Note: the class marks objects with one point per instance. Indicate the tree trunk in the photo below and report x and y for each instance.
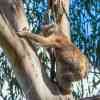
(26, 65)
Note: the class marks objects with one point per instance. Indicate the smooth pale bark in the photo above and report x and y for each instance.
(64, 24)
(26, 65)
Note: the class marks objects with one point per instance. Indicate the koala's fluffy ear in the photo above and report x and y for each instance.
(49, 29)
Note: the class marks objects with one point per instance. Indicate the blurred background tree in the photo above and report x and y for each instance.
(85, 33)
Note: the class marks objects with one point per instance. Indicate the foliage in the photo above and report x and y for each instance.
(84, 21)
(9, 87)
